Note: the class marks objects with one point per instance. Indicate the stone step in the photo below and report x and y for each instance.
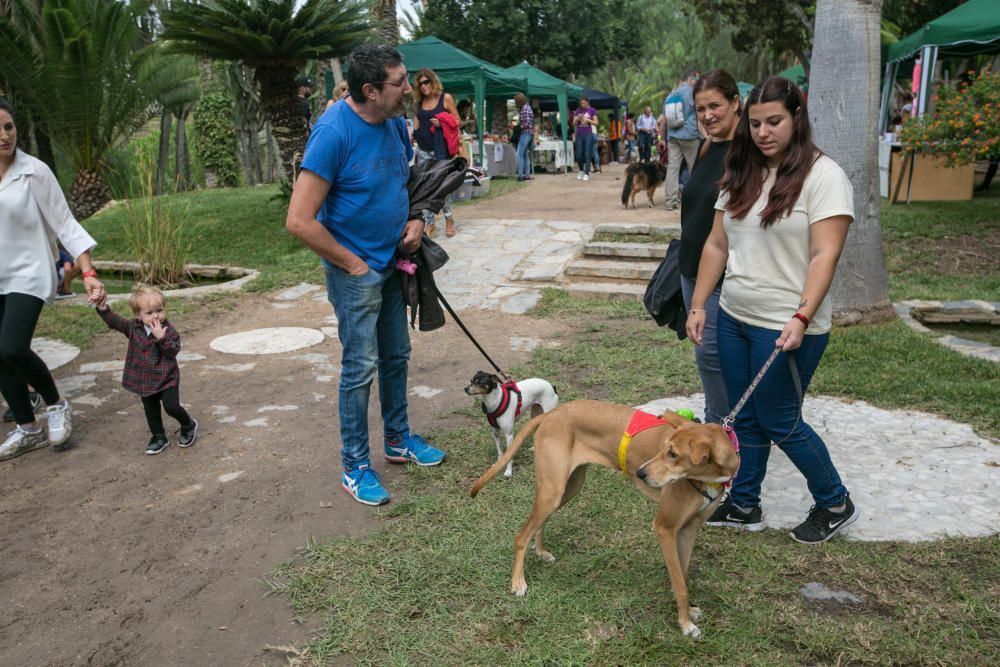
(610, 291)
(672, 229)
(625, 250)
(610, 269)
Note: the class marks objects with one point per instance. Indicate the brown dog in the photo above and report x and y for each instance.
(642, 176)
(680, 464)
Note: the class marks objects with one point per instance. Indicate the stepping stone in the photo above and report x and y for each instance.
(230, 476)
(518, 344)
(230, 368)
(521, 303)
(297, 292)
(278, 408)
(189, 356)
(272, 340)
(55, 353)
(423, 391)
(261, 421)
(103, 366)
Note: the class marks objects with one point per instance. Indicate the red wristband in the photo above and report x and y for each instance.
(802, 318)
(89, 274)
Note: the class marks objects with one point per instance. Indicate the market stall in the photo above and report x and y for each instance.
(500, 157)
(543, 86)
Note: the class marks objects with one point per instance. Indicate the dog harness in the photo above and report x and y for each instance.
(640, 422)
(506, 389)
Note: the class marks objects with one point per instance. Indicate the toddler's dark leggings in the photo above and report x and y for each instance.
(171, 400)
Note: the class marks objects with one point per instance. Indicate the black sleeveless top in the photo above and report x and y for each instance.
(425, 140)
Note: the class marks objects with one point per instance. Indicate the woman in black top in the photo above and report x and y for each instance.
(717, 103)
(430, 100)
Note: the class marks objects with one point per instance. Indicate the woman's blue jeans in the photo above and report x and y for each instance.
(524, 145)
(772, 412)
(371, 325)
(706, 355)
(584, 149)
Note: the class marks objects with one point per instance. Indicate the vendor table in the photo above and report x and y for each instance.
(907, 176)
(506, 165)
(550, 156)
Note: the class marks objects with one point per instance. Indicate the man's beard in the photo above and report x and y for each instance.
(397, 111)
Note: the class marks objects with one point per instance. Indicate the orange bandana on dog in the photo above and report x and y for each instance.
(640, 422)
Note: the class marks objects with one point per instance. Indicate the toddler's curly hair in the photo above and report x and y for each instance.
(141, 293)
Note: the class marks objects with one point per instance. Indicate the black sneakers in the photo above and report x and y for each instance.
(157, 444)
(729, 515)
(36, 402)
(822, 524)
(188, 434)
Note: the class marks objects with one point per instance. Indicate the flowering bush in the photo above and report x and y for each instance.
(965, 125)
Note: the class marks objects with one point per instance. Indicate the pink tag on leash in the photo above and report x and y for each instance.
(736, 447)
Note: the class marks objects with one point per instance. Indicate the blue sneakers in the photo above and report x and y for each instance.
(413, 449)
(364, 485)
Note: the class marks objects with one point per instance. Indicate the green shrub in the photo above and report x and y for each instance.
(216, 136)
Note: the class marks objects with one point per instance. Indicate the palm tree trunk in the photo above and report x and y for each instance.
(386, 26)
(182, 162)
(280, 105)
(166, 122)
(844, 103)
(88, 194)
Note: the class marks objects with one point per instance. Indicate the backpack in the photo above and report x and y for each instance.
(673, 110)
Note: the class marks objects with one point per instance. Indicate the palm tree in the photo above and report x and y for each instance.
(843, 98)
(386, 25)
(84, 70)
(276, 40)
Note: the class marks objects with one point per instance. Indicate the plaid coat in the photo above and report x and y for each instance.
(150, 364)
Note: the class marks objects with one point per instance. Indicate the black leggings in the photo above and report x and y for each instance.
(19, 366)
(171, 399)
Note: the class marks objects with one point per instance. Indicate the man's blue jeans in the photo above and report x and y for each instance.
(771, 413)
(524, 144)
(706, 355)
(645, 146)
(371, 325)
(584, 149)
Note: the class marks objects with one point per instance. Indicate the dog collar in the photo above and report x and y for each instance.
(506, 389)
(640, 422)
(715, 488)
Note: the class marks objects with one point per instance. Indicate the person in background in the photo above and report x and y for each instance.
(584, 122)
(646, 126)
(429, 100)
(630, 137)
(339, 92)
(304, 93)
(66, 270)
(466, 119)
(528, 137)
(717, 102)
(350, 206)
(33, 210)
(781, 219)
(682, 141)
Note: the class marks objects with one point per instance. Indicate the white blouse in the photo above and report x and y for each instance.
(33, 213)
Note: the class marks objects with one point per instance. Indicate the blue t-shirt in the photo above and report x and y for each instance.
(367, 166)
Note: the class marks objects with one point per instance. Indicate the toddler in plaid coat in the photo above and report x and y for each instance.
(151, 364)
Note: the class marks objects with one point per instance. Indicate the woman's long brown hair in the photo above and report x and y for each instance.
(436, 88)
(746, 165)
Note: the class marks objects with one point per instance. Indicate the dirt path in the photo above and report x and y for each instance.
(111, 557)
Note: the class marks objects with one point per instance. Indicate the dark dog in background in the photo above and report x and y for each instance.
(642, 176)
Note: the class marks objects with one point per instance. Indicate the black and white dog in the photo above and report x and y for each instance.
(504, 401)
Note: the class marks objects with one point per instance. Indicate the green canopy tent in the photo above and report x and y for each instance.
(462, 74)
(797, 75)
(968, 30)
(744, 87)
(543, 85)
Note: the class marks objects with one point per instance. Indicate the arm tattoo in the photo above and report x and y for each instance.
(802, 304)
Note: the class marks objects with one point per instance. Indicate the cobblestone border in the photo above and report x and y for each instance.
(240, 277)
(955, 311)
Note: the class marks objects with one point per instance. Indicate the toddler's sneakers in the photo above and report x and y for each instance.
(157, 444)
(60, 418)
(413, 449)
(188, 434)
(364, 485)
(21, 441)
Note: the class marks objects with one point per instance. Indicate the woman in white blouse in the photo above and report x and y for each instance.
(782, 216)
(33, 214)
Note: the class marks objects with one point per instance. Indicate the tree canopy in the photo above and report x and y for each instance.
(562, 37)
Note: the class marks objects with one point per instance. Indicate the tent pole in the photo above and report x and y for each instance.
(888, 83)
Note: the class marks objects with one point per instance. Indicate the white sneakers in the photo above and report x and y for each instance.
(60, 418)
(586, 177)
(20, 441)
(579, 175)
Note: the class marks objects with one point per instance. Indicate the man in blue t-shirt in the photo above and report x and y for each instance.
(350, 206)
(682, 142)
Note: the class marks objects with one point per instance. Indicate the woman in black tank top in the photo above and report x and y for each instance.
(429, 100)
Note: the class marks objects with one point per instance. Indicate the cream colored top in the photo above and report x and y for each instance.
(33, 213)
(766, 269)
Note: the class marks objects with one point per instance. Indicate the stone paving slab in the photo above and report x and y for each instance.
(914, 476)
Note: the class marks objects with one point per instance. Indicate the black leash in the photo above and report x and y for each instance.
(727, 422)
(465, 330)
